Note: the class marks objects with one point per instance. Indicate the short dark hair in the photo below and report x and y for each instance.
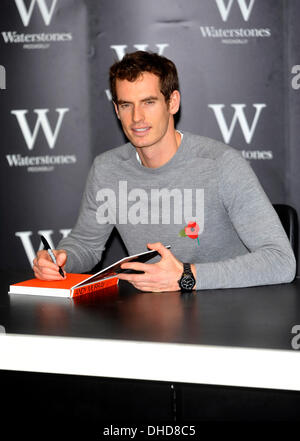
(134, 64)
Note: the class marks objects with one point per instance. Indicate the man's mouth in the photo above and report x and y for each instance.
(140, 130)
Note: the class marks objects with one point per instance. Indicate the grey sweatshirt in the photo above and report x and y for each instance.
(206, 202)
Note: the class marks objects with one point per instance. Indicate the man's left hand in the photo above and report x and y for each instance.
(157, 277)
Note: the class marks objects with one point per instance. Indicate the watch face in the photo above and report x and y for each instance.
(187, 282)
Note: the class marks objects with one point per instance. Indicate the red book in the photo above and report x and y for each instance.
(79, 284)
(74, 285)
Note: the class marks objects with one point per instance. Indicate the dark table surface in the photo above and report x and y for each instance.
(258, 317)
(228, 348)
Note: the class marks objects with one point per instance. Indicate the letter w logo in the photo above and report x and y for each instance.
(27, 13)
(239, 115)
(25, 237)
(42, 121)
(120, 49)
(245, 10)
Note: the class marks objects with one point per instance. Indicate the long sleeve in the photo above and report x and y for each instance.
(270, 259)
(86, 242)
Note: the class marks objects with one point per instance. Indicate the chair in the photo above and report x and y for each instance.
(289, 219)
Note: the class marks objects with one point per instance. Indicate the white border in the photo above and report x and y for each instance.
(228, 366)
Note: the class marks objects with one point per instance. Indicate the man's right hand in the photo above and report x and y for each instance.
(45, 269)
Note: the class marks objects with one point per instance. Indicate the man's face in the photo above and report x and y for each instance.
(141, 107)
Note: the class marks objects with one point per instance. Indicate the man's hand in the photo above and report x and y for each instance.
(157, 277)
(45, 269)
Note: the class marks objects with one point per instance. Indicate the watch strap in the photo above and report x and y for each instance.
(187, 269)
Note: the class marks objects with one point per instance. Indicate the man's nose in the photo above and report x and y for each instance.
(137, 114)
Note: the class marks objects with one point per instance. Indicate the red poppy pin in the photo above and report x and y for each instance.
(191, 230)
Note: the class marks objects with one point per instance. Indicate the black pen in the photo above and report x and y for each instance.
(51, 254)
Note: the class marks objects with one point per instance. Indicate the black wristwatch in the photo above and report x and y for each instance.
(187, 280)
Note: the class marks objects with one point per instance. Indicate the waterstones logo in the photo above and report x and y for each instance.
(156, 207)
(35, 40)
(41, 122)
(239, 117)
(29, 40)
(244, 8)
(240, 121)
(26, 14)
(236, 35)
(39, 163)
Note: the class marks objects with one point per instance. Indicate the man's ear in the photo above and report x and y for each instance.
(116, 109)
(174, 102)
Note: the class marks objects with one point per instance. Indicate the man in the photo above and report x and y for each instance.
(170, 188)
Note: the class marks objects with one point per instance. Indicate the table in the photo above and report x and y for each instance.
(234, 340)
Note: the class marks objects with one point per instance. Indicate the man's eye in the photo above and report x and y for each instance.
(124, 106)
(150, 102)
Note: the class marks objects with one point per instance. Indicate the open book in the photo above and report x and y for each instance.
(80, 284)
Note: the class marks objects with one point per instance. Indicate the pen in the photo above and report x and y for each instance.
(48, 248)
